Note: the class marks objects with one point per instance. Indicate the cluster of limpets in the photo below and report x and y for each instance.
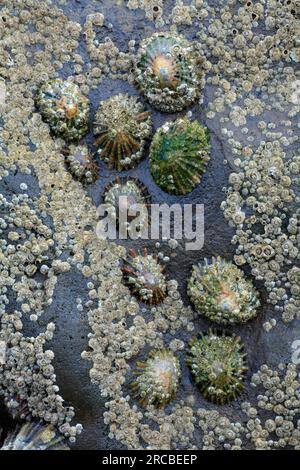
(220, 292)
(67, 111)
(168, 72)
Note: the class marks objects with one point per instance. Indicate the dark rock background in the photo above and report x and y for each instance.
(72, 327)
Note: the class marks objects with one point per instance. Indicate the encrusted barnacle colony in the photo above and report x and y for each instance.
(179, 154)
(64, 108)
(81, 163)
(35, 436)
(158, 378)
(144, 276)
(168, 72)
(218, 364)
(122, 127)
(128, 197)
(221, 292)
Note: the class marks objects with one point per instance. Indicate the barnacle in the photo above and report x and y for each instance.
(218, 364)
(144, 275)
(80, 163)
(35, 436)
(168, 72)
(220, 291)
(157, 378)
(122, 127)
(64, 108)
(125, 196)
(179, 154)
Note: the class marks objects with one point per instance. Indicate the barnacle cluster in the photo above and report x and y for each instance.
(218, 365)
(168, 72)
(219, 432)
(158, 378)
(144, 275)
(179, 154)
(27, 379)
(81, 163)
(259, 205)
(122, 127)
(27, 251)
(34, 436)
(278, 394)
(64, 108)
(153, 8)
(220, 291)
(127, 198)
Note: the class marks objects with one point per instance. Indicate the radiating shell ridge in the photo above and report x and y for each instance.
(218, 364)
(122, 127)
(168, 72)
(81, 163)
(64, 108)
(35, 436)
(144, 276)
(220, 291)
(158, 378)
(178, 156)
(124, 195)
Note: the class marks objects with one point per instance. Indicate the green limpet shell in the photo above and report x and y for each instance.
(168, 72)
(64, 108)
(144, 276)
(133, 194)
(81, 163)
(35, 436)
(158, 378)
(218, 364)
(179, 154)
(123, 127)
(221, 292)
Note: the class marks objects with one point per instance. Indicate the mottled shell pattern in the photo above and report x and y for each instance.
(35, 436)
(124, 195)
(144, 276)
(64, 108)
(81, 163)
(122, 127)
(168, 72)
(179, 154)
(218, 364)
(221, 292)
(158, 378)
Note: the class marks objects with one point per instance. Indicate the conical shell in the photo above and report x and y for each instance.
(179, 154)
(122, 127)
(168, 72)
(64, 108)
(35, 436)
